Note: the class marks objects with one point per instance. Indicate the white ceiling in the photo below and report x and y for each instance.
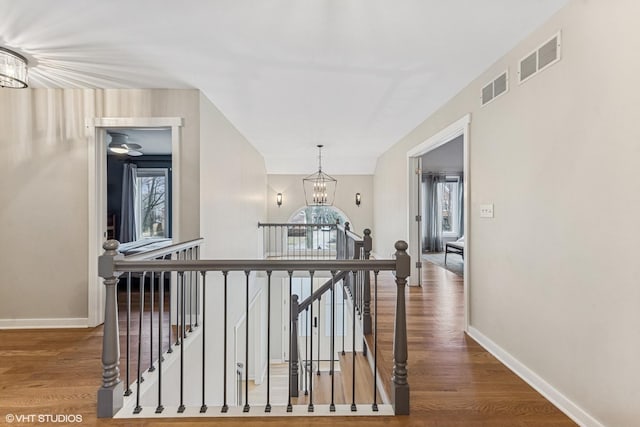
(152, 141)
(354, 75)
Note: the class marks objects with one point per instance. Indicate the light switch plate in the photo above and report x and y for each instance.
(486, 211)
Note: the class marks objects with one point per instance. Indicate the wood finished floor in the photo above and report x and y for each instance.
(454, 382)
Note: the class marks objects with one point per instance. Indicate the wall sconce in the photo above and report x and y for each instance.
(279, 199)
(358, 199)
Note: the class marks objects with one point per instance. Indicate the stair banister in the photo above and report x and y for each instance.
(111, 394)
(400, 386)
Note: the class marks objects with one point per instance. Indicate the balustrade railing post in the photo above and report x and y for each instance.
(400, 386)
(110, 395)
(366, 310)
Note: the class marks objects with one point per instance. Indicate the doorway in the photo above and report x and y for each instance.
(139, 185)
(457, 130)
(97, 194)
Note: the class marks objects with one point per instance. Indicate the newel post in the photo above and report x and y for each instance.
(400, 386)
(110, 395)
(366, 311)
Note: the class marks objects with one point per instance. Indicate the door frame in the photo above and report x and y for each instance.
(454, 130)
(97, 194)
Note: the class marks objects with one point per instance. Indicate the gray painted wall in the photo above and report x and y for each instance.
(44, 191)
(558, 157)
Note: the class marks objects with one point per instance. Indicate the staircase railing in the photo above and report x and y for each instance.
(217, 277)
(165, 283)
(355, 284)
(299, 241)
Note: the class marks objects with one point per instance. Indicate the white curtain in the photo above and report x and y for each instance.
(433, 216)
(432, 186)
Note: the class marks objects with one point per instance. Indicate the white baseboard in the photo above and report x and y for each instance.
(562, 402)
(44, 323)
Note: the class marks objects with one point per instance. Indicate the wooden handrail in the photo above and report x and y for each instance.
(122, 264)
(167, 250)
(294, 224)
(321, 290)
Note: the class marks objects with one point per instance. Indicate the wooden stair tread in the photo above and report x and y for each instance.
(364, 378)
(322, 390)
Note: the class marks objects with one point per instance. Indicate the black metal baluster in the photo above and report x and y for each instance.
(170, 350)
(203, 408)
(268, 407)
(246, 348)
(306, 351)
(197, 256)
(178, 304)
(354, 290)
(128, 391)
(344, 297)
(138, 408)
(353, 348)
(182, 333)
(319, 327)
(375, 343)
(291, 349)
(359, 284)
(190, 293)
(225, 407)
(310, 408)
(332, 406)
(151, 312)
(160, 408)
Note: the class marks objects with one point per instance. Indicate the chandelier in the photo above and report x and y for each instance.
(319, 188)
(13, 69)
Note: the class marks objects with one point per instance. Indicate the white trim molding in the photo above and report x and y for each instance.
(562, 402)
(454, 130)
(44, 323)
(97, 197)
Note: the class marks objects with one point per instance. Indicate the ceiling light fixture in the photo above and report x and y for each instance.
(13, 69)
(120, 145)
(319, 188)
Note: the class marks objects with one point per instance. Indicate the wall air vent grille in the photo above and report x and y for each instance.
(495, 88)
(544, 56)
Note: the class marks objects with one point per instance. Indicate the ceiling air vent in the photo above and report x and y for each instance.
(539, 59)
(495, 88)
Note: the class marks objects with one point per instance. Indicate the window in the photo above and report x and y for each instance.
(448, 191)
(319, 238)
(152, 202)
(318, 215)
